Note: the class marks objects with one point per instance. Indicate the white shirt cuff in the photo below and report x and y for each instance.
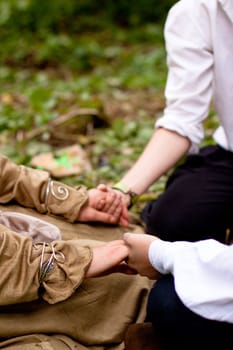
(160, 256)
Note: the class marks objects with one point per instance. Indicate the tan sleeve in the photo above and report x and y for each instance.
(34, 189)
(20, 268)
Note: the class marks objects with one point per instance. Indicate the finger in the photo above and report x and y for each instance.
(103, 217)
(124, 268)
(115, 242)
(100, 205)
(131, 238)
(111, 201)
(114, 254)
(116, 212)
(103, 187)
(106, 258)
(126, 237)
(124, 219)
(123, 222)
(116, 206)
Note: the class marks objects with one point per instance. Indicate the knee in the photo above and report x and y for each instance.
(162, 219)
(163, 303)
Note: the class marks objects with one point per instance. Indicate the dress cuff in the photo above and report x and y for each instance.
(61, 199)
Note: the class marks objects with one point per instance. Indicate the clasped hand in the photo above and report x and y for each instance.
(129, 256)
(104, 206)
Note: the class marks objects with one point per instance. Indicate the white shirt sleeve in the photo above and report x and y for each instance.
(190, 71)
(203, 275)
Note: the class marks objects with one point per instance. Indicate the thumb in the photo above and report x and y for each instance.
(127, 237)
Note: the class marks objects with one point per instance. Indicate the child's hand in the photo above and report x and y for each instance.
(138, 246)
(109, 258)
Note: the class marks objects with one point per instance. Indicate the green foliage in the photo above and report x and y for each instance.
(35, 16)
(73, 15)
(77, 33)
(56, 56)
(115, 150)
(137, 12)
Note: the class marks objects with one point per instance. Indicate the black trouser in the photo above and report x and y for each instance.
(179, 328)
(198, 200)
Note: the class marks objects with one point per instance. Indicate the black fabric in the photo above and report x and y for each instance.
(180, 328)
(198, 200)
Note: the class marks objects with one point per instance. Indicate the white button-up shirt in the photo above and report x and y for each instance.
(199, 43)
(203, 275)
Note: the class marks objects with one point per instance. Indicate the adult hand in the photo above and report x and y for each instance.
(124, 196)
(138, 246)
(118, 198)
(102, 206)
(109, 258)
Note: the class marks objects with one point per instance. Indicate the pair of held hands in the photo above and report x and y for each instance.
(105, 205)
(129, 256)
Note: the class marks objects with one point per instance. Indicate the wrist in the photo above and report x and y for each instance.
(126, 191)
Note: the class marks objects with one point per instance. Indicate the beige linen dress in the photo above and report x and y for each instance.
(65, 311)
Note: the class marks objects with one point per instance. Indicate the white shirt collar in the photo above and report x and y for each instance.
(227, 5)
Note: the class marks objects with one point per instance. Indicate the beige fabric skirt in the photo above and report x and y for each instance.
(95, 317)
